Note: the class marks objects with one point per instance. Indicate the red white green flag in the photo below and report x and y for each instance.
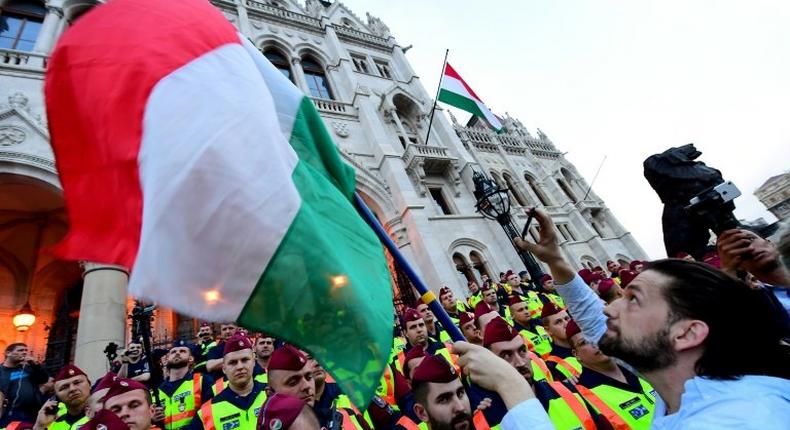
(456, 92)
(187, 157)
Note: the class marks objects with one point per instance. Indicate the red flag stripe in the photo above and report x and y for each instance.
(449, 71)
(98, 82)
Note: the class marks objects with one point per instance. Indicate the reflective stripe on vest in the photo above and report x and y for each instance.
(479, 420)
(219, 385)
(387, 382)
(212, 414)
(181, 418)
(13, 425)
(541, 365)
(62, 425)
(407, 424)
(576, 406)
(565, 365)
(197, 382)
(614, 419)
(634, 408)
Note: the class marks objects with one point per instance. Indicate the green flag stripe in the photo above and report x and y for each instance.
(460, 102)
(302, 296)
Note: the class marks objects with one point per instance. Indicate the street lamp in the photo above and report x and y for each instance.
(493, 203)
(24, 317)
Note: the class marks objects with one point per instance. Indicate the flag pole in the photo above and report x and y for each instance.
(436, 99)
(427, 296)
(594, 178)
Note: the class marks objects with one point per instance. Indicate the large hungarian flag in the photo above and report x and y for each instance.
(186, 156)
(455, 92)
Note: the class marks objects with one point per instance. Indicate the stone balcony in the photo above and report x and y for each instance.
(589, 205)
(434, 159)
(332, 107)
(11, 59)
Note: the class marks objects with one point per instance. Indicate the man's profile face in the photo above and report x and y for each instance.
(514, 352)
(416, 332)
(237, 366)
(18, 354)
(227, 330)
(471, 333)
(555, 325)
(587, 352)
(425, 313)
(613, 267)
(639, 323)
(447, 407)
(489, 296)
(513, 280)
(264, 347)
(73, 391)
(179, 356)
(297, 383)
(133, 408)
(549, 285)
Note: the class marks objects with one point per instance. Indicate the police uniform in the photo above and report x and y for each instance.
(623, 405)
(202, 358)
(64, 420)
(182, 399)
(229, 411)
(537, 337)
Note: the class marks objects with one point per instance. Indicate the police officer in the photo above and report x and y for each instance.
(624, 399)
(538, 340)
(452, 306)
(433, 327)
(215, 355)
(284, 412)
(72, 387)
(469, 328)
(131, 402)
(264, 347)
(475, 295)
(206, 341)
(561, 360)
(183, 392)
(237, 406)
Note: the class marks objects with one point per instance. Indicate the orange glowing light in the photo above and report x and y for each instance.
(339, 281)
(211, 296)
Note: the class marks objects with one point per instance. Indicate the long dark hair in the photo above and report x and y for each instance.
(745, 328)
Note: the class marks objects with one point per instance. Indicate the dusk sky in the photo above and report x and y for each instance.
(625, 79)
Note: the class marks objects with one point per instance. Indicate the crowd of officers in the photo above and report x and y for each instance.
(246, 382)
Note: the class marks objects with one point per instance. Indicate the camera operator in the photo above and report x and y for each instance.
(132, 364)
(676, 325)
(20, 379)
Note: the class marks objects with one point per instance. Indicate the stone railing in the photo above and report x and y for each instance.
(554, 210)
(283, 15)
(21, 59)
(352, 35)
(415, 151)
(589, 205)
(334, 107)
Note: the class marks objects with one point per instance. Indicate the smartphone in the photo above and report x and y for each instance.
(52, 410)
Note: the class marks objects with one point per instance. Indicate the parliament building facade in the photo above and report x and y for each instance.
(376, 109)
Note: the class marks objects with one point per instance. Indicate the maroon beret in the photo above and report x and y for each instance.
(605, 285)
(585, 275)
(481, 309)
(105, 382)
(545, 277)
(415, 352)
(632, 265)
(287, 358)
(498, 330)
(626, 276)
(237, 342)
(409, 315)
(509, 273)
(69, 371)
(434, 368)
(465, 317)
(572, 329)
(514, 300)
(549, 309)
(487, 286)
(444, 290)
(597, 269)
(280, 411)
(123, 386)
(608, 262)
(103, 419)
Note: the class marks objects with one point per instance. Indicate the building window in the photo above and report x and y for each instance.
(514, 191)
(567, 190)
(479, 264)
(544, 200)
(566, 232)
(280, 62)
(317, 84)
(360, 63)
(20, 23)
(384, 69)
(440, 201)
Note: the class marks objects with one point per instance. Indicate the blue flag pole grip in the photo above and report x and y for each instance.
(427, 296)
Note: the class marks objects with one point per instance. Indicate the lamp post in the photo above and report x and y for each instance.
(493, 203)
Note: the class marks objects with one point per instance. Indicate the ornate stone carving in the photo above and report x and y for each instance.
(341, 129)
(19, 101)
(314, 8)
(11, 135)
(378, 27)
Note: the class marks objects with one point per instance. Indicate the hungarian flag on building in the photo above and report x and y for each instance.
(186, 156)
(455, 92)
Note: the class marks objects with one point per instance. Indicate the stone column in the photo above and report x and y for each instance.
(49, 30)
(244, 20)
(299, 79)
(399, 124)
(102, 316)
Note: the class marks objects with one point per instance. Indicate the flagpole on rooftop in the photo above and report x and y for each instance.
(426, 296)
(435, 99)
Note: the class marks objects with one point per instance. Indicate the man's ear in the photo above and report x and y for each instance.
(421, 412)
(688, 334)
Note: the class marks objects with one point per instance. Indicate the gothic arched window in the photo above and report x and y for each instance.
(544, 200)
(514, 191)
(20, 23)
(317, 83)
(280, 61)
